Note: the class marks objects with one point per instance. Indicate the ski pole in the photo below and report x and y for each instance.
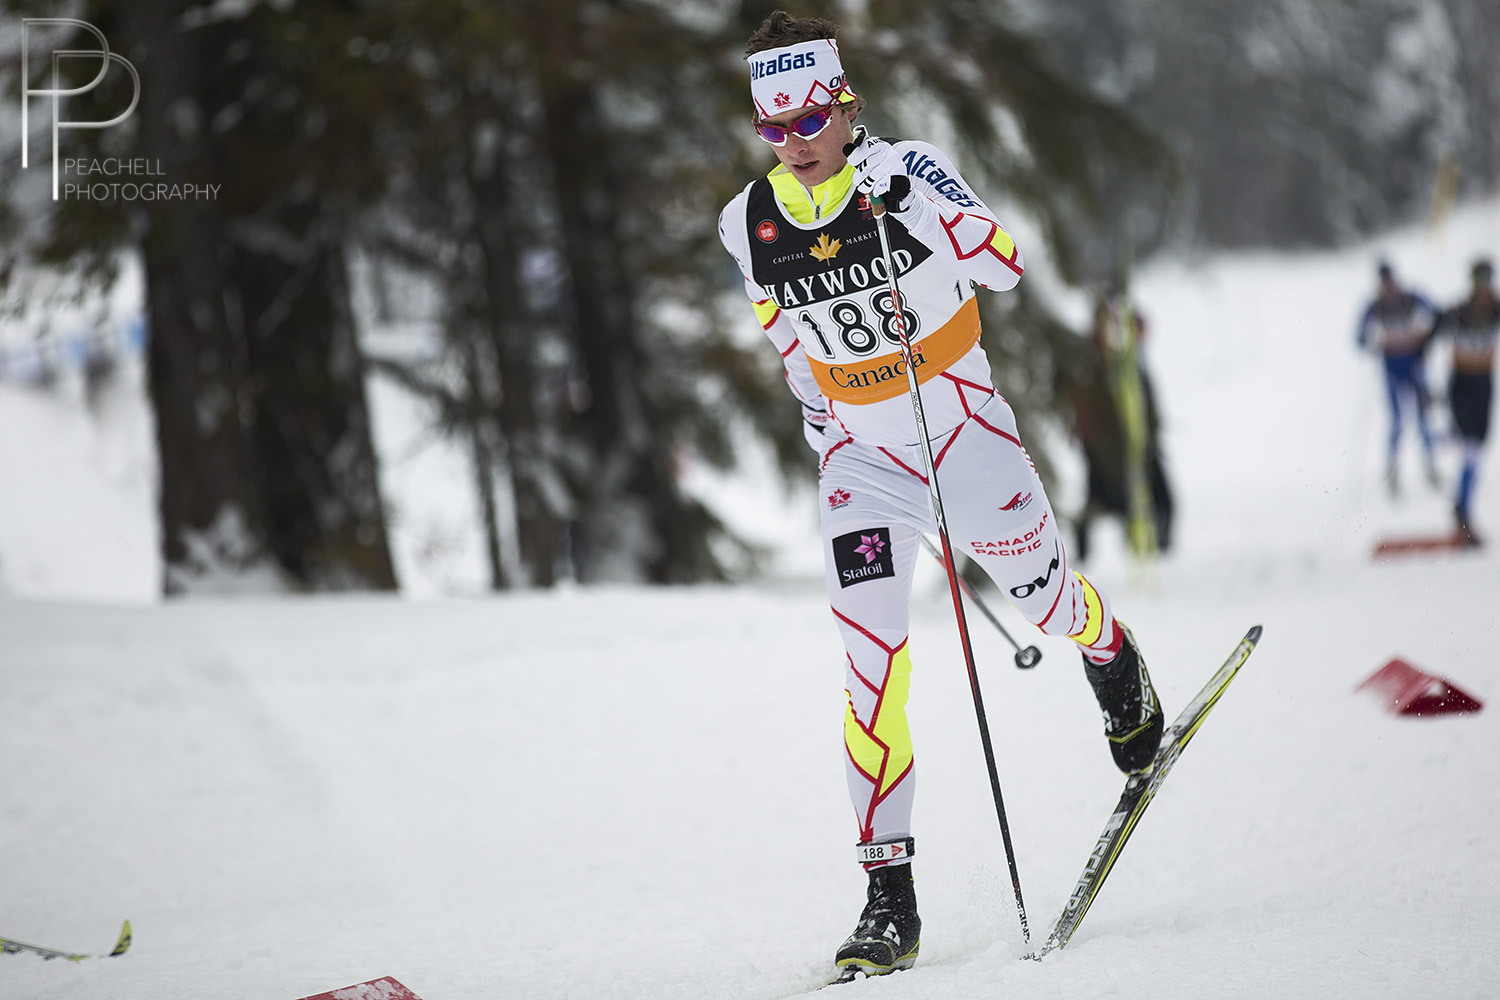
(1025, 658)
(877, 208)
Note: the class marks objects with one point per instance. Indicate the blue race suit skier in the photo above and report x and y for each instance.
(1397, 324)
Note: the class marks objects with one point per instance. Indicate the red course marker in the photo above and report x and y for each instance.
(384, 988)
(1409, 691)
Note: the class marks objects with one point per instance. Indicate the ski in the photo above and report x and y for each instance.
(9, 947)
(1140, 789)
(1388, 547)
(849, 973)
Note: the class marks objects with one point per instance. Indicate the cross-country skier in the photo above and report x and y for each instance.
(816, 275)
(1473, 326)
(1396, 325)
(1098, 426)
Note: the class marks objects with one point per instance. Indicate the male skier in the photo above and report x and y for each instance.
(1100, 429)
(1474, 328)
(816, 275)
(1396, 324)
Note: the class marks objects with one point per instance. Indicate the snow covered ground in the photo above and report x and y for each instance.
(637, 793)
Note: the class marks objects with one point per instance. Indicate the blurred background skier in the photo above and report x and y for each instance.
(1100, 429)
(1473, 327)
(1396, 326)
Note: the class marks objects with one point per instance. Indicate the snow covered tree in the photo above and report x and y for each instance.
(1296, 123)
(268, 474)
(555, 169)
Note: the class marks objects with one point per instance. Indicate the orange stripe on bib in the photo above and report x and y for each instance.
(884, 377)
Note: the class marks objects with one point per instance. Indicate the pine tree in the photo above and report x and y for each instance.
(255, 377)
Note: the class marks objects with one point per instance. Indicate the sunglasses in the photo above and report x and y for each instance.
(809, 126)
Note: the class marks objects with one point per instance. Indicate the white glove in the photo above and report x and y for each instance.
(814, 422)
(878, 171)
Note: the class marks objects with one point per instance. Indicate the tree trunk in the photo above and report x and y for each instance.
(212, 519)
(312, 430)
(476, 419)
(256, 377)
(510, 327)
(634, 520)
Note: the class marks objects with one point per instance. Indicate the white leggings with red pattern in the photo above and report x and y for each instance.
(875, 504)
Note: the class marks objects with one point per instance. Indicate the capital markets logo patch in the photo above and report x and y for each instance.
(863, 555)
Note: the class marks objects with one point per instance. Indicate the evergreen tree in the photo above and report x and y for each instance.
(1296, 123)
(255, 377)
(555, 171)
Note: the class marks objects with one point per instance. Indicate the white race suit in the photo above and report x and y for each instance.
(815, 272)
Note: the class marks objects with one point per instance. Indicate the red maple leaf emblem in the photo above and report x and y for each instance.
(838, 498)
(782, 100)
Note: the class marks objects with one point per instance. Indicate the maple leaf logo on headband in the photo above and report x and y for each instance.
(782, 100)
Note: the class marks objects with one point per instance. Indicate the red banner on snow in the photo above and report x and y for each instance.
(384, 988)
(1409, 691)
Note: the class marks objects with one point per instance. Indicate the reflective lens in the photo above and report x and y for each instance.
(808, 126)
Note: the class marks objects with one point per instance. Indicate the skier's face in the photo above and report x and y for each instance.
(1484, 288)
(813, 161)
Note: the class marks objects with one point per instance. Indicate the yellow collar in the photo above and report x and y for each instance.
(812, 206)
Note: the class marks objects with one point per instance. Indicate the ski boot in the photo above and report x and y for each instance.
(1465, 531)
(1133, 718)
(887, 935)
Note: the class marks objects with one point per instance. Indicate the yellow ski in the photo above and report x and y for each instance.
(9, 947)
(1140, 789)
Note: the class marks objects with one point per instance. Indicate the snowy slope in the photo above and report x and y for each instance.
(636, 793)
(628, 794)
(77, 492)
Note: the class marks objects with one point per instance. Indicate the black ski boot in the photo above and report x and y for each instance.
(1133, 717)
(888, 932)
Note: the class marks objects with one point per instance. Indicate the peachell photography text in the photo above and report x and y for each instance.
(100, 180)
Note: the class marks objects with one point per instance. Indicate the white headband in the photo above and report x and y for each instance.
(805, 75)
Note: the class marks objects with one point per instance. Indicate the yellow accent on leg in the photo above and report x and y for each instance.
(1093, 625)
(883, 750)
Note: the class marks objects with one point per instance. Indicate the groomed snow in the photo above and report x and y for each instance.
(638, 793)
